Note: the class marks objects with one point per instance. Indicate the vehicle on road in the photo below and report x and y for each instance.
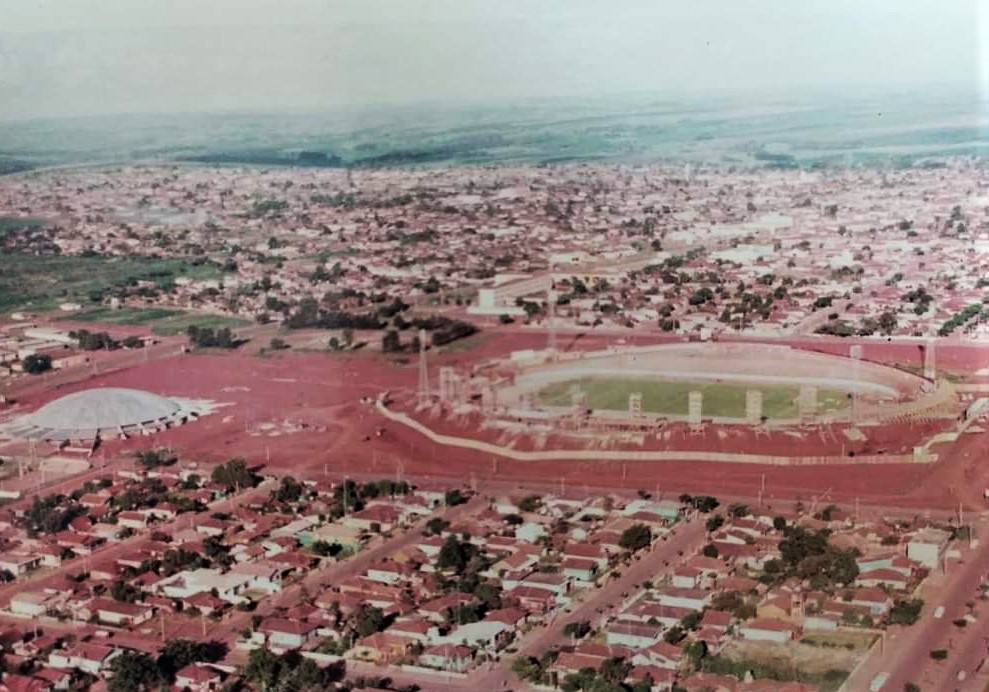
(878, 682)
(939, 612)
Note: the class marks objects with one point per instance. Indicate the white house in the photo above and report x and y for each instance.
(768, 630)
(927, 546)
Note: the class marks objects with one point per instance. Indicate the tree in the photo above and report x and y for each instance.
(134, 671)
(123, 592)
(738, 510)
(290, 490)
(435, 526)
(391, 342)
(635, 538)
(367, 620)
(705, 503)
(674, 635)
(614, 669)
(454, 554)
(691, 620)
(234, 473)
(714, 523)
(905, 612)
(178, 653)
(454, 497)
(530, 503)
(37, 363)
(263, 668)
(710, 550)
(939, 654)
(779, 523)
(527, 668)
(578, 629)
(911, 687)
(489, 593)
(696, 651)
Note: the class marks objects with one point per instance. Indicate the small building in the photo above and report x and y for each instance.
(448, 657)
(197, 677)
(768, 630)
(280, 633)
(928, 546)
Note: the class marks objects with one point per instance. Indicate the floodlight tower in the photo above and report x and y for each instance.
(423, 372)
(930, 368)
(551, 299)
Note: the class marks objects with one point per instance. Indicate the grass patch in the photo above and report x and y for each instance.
(828, 680)
(669, 397)
(164, 321)
(41, 283)
(852, 641)
(9, 224)
(180, 323)
(125, 316)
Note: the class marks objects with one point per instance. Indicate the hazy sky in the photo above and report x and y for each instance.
(68, 57)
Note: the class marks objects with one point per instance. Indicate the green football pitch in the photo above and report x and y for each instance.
(669, 397)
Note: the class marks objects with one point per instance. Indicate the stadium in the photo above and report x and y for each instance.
(724, 382)
(729, 401)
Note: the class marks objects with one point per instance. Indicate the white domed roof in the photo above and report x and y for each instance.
(107, 408)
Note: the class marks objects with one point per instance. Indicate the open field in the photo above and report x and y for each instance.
(670, 397)
(163, 321)
(826, 666)
(179, 323)
(42, 282)
(124, 316)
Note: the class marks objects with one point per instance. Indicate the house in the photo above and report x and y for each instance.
(651, 611)
(928, 546)
(888, 577)
(768, 630)
(486, 633)
(264, 576)
(580, 569)
(382, 518)
(12, 682)
(874, 598)
(32, 603)
(137, 521)
(822, 622)
(532, 599)
(779, 608)
(283, 634)
(416, 628)
(530, 532)
(111, 612)
(636, 635)
(514, 617)
(661, 654)
(447, 657)
(716, 619)
(19, 564)
(559, 584)
(695, 599)
(85, 656)
(570, 663)
(205, 602)
(686, 577)
(662, 679)
(229, 586)
(197, 677)
(380, 647)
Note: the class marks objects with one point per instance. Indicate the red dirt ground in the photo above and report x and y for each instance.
(321, 393)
